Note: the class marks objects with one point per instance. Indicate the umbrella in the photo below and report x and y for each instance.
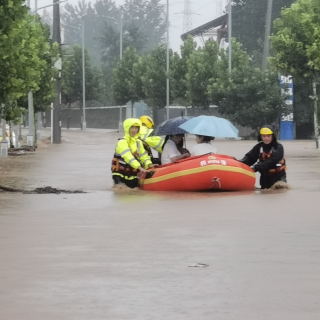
(170, 127)
(210, 126)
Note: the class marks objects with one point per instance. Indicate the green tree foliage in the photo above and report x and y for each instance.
(154, 77)
(149, 18)
(94, 22)
(296, 39)
(296, 42)
(202, 67)
(110, 42)
(23, 50)
(43, 97)
(248, 96)
(179, 70)
(143, 27)
(122, 86)
(138, 71)
(72, 78)
(249, 21)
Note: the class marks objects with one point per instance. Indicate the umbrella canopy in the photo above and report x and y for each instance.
(170, 127)
(210, 126)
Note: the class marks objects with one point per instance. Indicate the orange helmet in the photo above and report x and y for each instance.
(147, 121)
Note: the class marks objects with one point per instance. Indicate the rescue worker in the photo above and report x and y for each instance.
(130, 156)
(267, 157)
(155, 143)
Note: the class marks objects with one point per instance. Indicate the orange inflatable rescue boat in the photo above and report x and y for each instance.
(200, 173)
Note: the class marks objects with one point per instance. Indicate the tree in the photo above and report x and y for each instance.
(155, 76)
(110, 43)
(23, 44)
(72, 78)
(249, 21)
(296, 43)
(248, 96)
(201, 68)
(94, 20)
(122, 84)
(149, 18)
(179, 69)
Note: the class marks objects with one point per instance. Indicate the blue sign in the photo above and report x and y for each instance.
(287, 123)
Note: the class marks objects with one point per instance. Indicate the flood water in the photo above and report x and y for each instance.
(102, 255)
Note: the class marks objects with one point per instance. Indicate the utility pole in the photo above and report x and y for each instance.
(315, 114)
(230, 34)
(121, 27)
(84, 124)
(267, 35)
(30, 136)
(168, 64)
(56, 37)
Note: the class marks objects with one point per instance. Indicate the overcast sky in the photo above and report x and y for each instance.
(204, 11)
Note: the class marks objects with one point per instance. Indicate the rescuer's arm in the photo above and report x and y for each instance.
(144, 157)
(252, 156)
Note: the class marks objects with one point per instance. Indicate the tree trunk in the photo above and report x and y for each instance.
(10, 133)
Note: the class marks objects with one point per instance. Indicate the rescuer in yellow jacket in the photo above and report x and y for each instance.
(130, 156)
(155, 142)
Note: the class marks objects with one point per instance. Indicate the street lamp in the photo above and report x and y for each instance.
(84, 125)
(168, 65)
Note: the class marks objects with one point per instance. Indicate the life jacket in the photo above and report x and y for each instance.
(120, 167)
(280, 166)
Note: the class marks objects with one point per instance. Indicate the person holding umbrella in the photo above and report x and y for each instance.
(267, 157)
(171, 148)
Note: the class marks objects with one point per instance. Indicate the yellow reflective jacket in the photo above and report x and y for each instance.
(129, 153)
(155, 143)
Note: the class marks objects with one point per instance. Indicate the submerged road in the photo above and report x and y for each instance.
(134, 256)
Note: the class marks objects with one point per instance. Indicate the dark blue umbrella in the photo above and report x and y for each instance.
(170, 127)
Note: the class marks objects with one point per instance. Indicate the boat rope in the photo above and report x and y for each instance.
(215, 180)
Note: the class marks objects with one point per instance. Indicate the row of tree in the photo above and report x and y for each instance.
(27, 57)
(199, 78)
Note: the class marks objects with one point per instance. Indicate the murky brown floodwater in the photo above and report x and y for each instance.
(103, 255)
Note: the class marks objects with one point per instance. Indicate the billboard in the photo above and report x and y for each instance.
(287, 121)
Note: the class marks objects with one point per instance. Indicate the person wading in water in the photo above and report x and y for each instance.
(267, 157)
